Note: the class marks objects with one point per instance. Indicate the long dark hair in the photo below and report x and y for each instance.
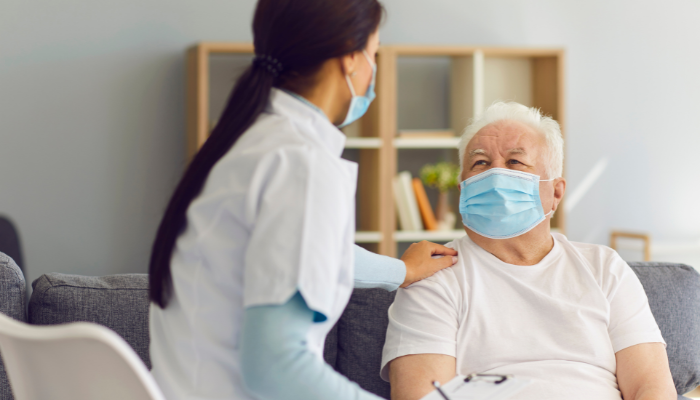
(298, 35)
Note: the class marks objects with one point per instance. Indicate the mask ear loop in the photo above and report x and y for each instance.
(371, 64)
(548, 180)
(352, 89)
(347, 77)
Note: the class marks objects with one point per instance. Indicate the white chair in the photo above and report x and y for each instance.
(77, 361)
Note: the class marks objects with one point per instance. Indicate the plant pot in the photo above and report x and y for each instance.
(444, 215)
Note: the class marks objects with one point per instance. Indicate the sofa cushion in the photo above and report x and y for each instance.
(361, 335)
(13, 302)
(119, 302)
(330, 348)
(13, 289)
(674, 298)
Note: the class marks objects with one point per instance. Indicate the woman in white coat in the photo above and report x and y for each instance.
(254, 259)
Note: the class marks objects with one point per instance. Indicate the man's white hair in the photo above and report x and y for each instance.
(511, 111)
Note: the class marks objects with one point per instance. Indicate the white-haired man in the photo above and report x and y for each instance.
(571, 317)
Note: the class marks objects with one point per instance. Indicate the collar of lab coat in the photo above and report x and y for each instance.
(322, 130)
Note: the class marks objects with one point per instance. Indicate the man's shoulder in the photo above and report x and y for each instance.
(448, 279)
(601, 259)
(586, 249)
(445, 279)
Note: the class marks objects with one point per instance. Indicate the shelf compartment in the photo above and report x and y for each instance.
(422, 97)
(433, 236)
(363, 143)
(368, 237)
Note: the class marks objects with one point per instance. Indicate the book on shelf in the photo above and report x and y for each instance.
(426, 211)
(401, 205)
(406, 204)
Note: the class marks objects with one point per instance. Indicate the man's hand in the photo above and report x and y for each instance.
(420, 263)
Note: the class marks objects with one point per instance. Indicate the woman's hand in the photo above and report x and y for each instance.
(421, 261)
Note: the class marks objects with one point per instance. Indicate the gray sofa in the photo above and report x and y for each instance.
(354, 345)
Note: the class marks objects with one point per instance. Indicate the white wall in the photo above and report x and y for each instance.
(92, 112)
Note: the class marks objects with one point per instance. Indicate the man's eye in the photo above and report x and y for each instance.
(480, 162)
(513, 162)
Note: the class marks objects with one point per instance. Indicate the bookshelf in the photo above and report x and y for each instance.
(425, 97)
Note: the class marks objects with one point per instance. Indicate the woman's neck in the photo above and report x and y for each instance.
(329, 92)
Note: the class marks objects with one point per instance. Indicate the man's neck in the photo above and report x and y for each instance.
(527, 249)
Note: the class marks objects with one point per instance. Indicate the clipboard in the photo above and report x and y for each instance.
(478, 387)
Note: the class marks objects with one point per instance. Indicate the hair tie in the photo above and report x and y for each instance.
(269, 64)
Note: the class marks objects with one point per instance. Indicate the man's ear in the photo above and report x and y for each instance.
(559, 189)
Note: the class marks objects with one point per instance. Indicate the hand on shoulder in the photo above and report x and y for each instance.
(423, 259)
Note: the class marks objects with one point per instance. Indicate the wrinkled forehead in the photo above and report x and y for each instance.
(502, 136)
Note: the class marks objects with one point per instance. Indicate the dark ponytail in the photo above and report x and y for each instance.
(292, 39)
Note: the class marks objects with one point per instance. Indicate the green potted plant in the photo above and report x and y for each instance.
(442, 176)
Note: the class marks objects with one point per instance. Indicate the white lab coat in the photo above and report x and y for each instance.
(276, 215)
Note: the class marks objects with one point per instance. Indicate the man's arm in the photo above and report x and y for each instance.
(643, 373)
(421, 339)
(411, 376)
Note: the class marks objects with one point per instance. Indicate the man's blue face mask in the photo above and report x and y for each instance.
(501, 203)
(360, 104)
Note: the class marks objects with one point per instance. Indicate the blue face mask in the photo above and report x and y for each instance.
(360, 104)
(501, 203)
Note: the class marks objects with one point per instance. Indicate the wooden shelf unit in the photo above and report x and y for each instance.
(478, 76)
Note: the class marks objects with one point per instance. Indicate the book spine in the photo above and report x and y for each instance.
(426, 211)
(401, 206)
(407, 190)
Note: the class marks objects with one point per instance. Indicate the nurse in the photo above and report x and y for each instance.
(254, 260)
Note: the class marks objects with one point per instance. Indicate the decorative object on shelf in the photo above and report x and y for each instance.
(644, 237)
(406, 204)
(442, 176)
(426, 211)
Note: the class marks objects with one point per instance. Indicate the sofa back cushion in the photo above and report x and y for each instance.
(674, 298)
(13, 303)
(361, 335)
(119, 302)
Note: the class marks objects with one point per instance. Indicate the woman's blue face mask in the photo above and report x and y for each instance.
(360, 104)
(501, 203)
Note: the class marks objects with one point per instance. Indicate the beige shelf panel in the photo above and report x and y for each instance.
(457, 51)
(433, 236)
(368, 237)
(437, 143)
(363, 143)
(507, 79)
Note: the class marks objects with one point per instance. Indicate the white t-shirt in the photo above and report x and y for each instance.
(559, 322)
(276, 215)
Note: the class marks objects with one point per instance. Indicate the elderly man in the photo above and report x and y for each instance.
(571, 317)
